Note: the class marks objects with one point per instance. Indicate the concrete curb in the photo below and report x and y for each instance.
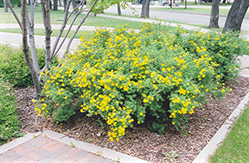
(107, 153)
(18, 141)
(221, 134)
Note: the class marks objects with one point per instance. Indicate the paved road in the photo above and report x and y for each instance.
(179, 17)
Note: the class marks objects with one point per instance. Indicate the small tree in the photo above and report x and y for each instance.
(26, 23)
(214, 18)
(236, 15)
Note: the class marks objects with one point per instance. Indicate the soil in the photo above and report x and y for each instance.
(139, 141)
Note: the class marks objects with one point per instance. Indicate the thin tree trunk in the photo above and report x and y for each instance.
(119, 9)
(46, 19)
(26, 48)
(214, 18)
(186, 4)
(236, 15)
(5, 6)
(199, 2)
(145, 12)
(55, 7)
(30, 25)
(14, 13)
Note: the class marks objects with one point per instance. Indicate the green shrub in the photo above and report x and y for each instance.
(127, 77)
(13, 68)
(9, 122)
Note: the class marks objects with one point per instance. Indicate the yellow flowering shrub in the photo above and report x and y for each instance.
(127, 77)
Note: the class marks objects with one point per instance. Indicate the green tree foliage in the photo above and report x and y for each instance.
(104, 4)
(13, 2)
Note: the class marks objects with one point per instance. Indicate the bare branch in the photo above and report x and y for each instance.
(61, 29)
(14, 13)
(69, 29)
(78, 27)
(76, 8)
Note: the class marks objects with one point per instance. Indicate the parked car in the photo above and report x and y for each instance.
(79, 1)
(207, 1)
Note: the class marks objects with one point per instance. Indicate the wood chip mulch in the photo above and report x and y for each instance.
(139, 141)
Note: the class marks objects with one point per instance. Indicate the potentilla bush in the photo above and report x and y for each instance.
(127, 77)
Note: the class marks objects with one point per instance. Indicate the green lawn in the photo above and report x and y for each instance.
(57, 18)
(197, 10)
(235, 148)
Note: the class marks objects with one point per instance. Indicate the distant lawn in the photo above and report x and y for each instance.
(209, 4)
(57, 18)
(235, 148)
(196, 10)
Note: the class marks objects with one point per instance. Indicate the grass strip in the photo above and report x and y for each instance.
(235, 147)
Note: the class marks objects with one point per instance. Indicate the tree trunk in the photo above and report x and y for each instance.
(60, 3)
(5, 6)
(55, 7)
(47, 24)
(119, 9)
(214, 18)
(26, 48)
(30, 25)
(186, 4)
(65, 5)
(236, 15)
(145, 12)
(199, 2)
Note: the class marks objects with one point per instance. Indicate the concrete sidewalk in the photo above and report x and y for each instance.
(43, 149)
(53, 147)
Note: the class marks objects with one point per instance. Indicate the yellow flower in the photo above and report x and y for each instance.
(111, 138)
(145, 100)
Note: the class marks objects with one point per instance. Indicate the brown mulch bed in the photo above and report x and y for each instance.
(139, 141)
